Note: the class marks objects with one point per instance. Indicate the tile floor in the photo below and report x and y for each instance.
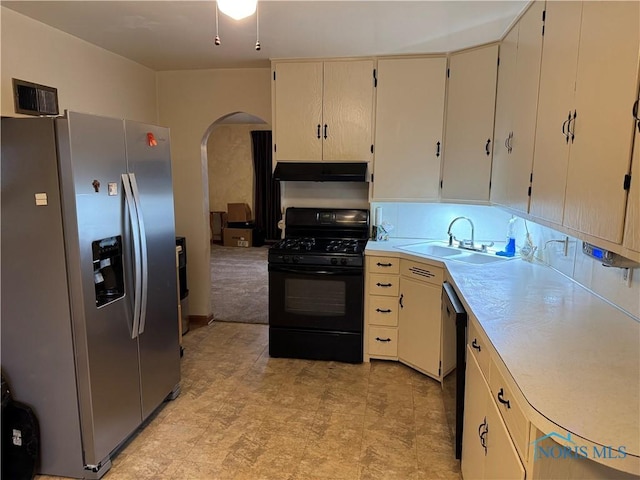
(245, 416)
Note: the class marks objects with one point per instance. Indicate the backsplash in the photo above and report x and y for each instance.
(431, 221)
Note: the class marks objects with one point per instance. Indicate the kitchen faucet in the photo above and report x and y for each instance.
(462, 243)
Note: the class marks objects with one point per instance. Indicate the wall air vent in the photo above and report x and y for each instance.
(34, 99)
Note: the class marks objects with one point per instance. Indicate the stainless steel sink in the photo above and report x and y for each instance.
(442, 250)
(431, 248)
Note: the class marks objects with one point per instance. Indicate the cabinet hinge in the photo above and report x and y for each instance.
(372, 178)
(529, 191)
(440, 184)
(627, 182)
(498, 61)
(274, 74)
(489, 184)
(544, 16)
(440, 368)
(448, 72)
(275, 147)
(531, 178)
(375, 78)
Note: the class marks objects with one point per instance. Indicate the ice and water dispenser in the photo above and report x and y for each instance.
(108, 272)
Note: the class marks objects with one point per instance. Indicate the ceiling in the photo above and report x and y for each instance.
(178, 34)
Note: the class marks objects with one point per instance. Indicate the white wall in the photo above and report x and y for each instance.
(88, 78)
(431, 221)
(189, 103)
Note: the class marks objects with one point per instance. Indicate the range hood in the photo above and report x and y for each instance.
(321, 171)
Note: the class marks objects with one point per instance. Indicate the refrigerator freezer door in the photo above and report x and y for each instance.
(37, 341)
(92, 159)
(149, 160)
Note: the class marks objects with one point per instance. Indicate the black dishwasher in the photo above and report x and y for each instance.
(453, 313)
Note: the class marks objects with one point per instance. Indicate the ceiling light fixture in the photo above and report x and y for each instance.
(237, 9)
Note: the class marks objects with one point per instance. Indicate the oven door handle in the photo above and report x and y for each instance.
(355, 272)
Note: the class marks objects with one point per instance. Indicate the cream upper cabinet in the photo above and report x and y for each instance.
(632, 221)
(409, 123)
(555, 105)
(298, 111)
(517, 107)
(323, 110)
(502, 129)
(468, 143)
(602, 130)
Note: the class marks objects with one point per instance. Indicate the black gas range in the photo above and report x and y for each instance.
(316, 285)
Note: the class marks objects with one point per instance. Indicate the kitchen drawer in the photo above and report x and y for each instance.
(514, 418)
(384, 265)
(383, 311)
(383, 341)
(422, 272)
(380, 284)
(479, 345)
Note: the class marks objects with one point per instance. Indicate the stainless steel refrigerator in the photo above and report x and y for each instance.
(89, 296)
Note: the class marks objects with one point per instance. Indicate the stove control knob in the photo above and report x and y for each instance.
(334, 261)
(295, 259)
(343, 261)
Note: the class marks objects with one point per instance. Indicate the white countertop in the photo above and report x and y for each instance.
(574, 357)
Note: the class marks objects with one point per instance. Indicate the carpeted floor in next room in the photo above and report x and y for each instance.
(239, 284)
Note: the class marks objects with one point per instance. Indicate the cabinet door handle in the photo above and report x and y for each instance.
(318, 130)
(438, 149)
(572, 120)
(400, 301)
(486, 147)
(385, 340)
(483, 429)
(383, 311)
(510, 138)
(325, 131)
(502, 400)
(635, 113)
(475, 345)
(564, 125)
(384, 285)
(384, 264)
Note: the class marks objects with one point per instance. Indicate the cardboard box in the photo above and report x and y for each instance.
(237, 237)
(238, 212)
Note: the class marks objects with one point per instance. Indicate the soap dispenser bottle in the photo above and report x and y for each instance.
(510, 248)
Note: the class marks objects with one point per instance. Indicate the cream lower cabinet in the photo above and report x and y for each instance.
(382, 283)
(487, 449)
(419, 321)
(632, 220)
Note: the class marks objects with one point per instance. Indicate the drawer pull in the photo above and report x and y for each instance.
(383, 311)
(384, 285)
(502, 400)
(384, 264)
(385, 340)
(475, 345)
(400, 300)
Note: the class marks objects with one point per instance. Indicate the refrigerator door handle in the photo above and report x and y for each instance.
(133, 215)
(143, 254)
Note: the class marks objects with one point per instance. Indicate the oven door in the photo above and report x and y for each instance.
(315, 297)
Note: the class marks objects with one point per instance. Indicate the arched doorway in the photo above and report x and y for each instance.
(238, 277)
